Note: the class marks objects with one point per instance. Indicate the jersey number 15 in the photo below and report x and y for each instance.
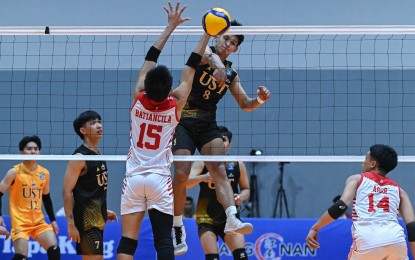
(152, 133)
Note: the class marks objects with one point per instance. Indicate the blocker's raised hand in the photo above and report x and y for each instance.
(174, 14)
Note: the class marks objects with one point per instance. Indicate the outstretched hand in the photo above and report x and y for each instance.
(174, 15)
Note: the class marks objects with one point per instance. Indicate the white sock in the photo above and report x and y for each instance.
(231, 211)
(178, 221)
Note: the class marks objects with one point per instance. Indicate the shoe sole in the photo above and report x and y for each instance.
(244, 230)
(181, 252)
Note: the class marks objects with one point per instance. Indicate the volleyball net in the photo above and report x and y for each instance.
(335, 90)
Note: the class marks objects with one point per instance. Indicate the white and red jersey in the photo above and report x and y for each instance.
(375, 212)
(151, 134)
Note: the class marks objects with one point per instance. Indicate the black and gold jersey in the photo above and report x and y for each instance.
(208, 209)
(206, 92)
(90, 194)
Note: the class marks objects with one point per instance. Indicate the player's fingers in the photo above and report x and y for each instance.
(184, 20)
(177, 6)
(171, 7)
(165, 9)
(182, 10)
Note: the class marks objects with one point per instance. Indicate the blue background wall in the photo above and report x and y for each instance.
(310, 187)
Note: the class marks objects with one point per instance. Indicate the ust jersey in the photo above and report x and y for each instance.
(208, 209)
(90, 194)
(375, 212)
(151, 134)
(26, 195)
(206, 92)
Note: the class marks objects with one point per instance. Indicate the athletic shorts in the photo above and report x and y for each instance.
(147, 191)
(397, 251)
(192, 133)
(28, 231)
(217, 229)
(92, 242)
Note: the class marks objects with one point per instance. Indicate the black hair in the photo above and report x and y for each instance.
(226, 132)
(189, 198)
(82, 119)
(240, 37)
(385, 156)
(158, 83)
(27, 139)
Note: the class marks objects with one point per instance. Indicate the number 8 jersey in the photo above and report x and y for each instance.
(151, 135)
(375, 212)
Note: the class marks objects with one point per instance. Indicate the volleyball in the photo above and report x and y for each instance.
(216, 21)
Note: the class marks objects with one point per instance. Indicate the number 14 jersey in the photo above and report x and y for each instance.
(375, 212)
(151, 135)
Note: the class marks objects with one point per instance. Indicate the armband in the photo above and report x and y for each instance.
(153, 54)
(47, 202)
(410, 227)
(338, 209)
(1, 196)
(259, 100)
(194, 60)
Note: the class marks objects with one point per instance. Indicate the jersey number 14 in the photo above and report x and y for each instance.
(382, 204)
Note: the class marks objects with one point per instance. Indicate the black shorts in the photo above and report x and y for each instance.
(219, 230)
(92, 242)
(192, 133)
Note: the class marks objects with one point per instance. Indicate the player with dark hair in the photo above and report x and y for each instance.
(198, 130)
(154, 116)
(29, 186)
(210, 215)
(189, 208)
(377, 201)
(85, 190)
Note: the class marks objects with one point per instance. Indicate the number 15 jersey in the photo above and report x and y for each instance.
(375, 212)
(151, 135)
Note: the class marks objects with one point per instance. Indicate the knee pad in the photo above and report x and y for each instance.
(127, 246)
(54, 252)
(239, 253)
(212, 257)
(19, 257)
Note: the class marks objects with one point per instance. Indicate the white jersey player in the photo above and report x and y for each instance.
(154, 116)
(377, 201)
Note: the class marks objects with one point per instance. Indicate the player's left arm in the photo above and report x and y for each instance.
(174, 19)
(243, 185)
(47, 203)
(246, 103)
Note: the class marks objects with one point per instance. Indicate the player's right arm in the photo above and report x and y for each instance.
(174, 20)
(348, 194)
(183, 90)
(407, 213)
(196, 176)
(4, 186)
(216, 63)
(73, 171)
